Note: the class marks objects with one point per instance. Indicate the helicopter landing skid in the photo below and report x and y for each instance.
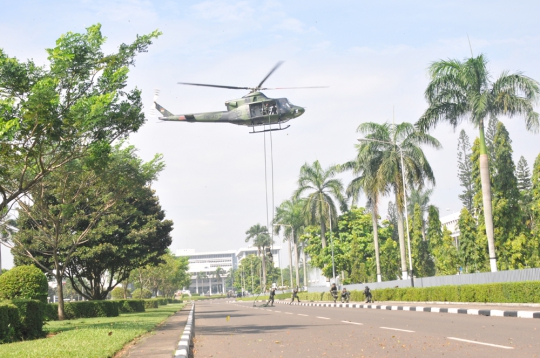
(269, 130)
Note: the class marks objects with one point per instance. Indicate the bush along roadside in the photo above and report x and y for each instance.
(21, 320)
(505, 292)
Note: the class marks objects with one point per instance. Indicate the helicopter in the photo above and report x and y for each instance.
(253, 109)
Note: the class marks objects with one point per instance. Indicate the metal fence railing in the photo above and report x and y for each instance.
(464, 279)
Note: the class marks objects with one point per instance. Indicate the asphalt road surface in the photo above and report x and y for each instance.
(241, 330)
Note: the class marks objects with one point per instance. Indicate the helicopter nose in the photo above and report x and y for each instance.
(298, 111)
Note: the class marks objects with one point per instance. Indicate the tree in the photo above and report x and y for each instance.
(58, 214)
(322, 188)
(471, 250)
(219, 275)
(364, 168)
(423, 265)
(523, 175)
(290, 216)
(391, 216)
(261, 240)
(465, 170)
(420, 197)
(75, 106)
(133, 234)
(535, 210)
(464, 90)
(386, 143)
(507, 215)
(446, 255)
(490, 138)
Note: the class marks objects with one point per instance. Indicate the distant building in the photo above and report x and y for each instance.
(451, 223)
(203, 265)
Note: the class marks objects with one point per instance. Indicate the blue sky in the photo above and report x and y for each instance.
(373, 55)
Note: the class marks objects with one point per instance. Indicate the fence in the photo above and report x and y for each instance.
(464, 279)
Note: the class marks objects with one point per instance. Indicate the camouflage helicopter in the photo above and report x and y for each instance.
(253, 109)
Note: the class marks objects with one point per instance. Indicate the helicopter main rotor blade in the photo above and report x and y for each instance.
(269, 73)
(280, 88)
(217, 86)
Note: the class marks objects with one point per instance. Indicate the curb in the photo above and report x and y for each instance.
(185, 345)
(469, 311)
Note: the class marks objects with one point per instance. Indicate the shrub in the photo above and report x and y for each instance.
(87, 309)
(141, 294)
(150, 303)
(118, 293)
(130, 306)
(50, 311)
(24, 282)
(162, 301)
(31, 317)
(9, 322)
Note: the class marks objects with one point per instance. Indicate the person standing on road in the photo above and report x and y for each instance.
(295, 295)
(271, 298)
(333, 292)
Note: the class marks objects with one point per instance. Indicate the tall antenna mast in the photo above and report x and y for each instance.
(470, 46)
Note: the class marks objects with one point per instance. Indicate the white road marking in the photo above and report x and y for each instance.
(397, 329)
(278, 311)
(287, 312)
(360, 324)
(323, 317)
(305, 315)
(482, 343)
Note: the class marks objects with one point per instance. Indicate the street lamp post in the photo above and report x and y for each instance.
(331, 238)
(404, 198)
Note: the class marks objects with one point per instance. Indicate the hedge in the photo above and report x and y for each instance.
(9, 322)
(504, 292)
(130, 306)
(21, 319)
(150, 303)
(84, 309)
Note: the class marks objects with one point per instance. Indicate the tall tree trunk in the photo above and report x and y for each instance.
(305, 270)
(290, 263)
(323, 233)
(401, 239)
(486, 199)
(376, 242)
(60, 294)
(297, 264)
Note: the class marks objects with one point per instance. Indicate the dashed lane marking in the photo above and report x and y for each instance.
(305, 315)
(360, 324)
(397, 329)
(287, 312)
(323, 317)
(482, 343)
(278, 311)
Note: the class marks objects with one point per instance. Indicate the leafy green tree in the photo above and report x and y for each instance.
(321, 188)
(391, 216)
(390, 268)
(423, 265)
(464, 90)
(246, 277)
(523, 176)
(385, 143)
(490, 139)
(261, 240)
(420, 197)
(76, 105)
(507, 214)
(59, 213)
(535, 210)
(465, 170)
(434, 226)
(446, 255)
(133, 234)
(471, 251)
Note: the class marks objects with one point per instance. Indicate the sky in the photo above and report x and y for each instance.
(373, 56)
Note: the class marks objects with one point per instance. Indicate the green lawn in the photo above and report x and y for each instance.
(90, 337)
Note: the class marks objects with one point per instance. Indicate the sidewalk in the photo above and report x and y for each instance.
(162, 342)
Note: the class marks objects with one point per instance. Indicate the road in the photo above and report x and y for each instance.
(241, 330)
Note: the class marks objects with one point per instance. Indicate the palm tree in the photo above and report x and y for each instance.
(321, 186)
(463, 90)
(290, 217)
(384, 146)
(218, 273)
(365, 166)
(261, 240)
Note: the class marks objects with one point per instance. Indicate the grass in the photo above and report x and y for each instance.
(90, 337)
